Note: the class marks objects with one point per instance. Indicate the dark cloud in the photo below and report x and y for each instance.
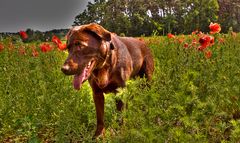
(40, 15)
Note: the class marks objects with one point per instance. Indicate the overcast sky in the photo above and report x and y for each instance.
(16, 15)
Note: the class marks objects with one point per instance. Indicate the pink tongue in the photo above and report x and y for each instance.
(78, 79)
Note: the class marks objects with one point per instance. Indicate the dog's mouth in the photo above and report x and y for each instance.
(80, 78)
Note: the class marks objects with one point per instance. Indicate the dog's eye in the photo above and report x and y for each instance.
(77, 43)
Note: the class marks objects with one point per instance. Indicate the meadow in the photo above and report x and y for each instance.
(194, 95)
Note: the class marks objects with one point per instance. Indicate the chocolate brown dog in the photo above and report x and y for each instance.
(106, 61)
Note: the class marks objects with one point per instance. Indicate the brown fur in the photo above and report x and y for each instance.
(116, 59)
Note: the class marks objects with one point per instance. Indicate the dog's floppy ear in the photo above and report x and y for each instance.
(99, 31)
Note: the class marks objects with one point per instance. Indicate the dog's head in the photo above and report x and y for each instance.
(88, 46)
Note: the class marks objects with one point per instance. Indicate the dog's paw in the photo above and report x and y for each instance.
(100, 133)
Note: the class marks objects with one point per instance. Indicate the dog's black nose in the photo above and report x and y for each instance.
(65, 68)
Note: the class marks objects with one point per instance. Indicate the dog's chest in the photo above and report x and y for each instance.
(109, 81)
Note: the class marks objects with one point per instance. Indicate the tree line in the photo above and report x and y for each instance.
(35, 35)
(158, 17)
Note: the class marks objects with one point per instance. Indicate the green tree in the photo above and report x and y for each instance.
(143, 17)
(229, 14)
(199, 14)
(95, 12)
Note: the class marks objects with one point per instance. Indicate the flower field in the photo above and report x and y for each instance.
(194, 95)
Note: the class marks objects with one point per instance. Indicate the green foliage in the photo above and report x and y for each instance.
(198, 15)
(190, 99)
(145, 17)
(229, 14)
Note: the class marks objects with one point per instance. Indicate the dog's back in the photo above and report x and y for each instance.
(141, 56)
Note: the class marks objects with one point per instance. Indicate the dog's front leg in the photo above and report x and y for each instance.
(99, 104)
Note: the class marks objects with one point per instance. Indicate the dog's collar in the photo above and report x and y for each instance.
(107, 44)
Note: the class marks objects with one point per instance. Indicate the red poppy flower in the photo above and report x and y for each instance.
(22, 51)
(62, 46)
(185, 45)
(1, 47)
(56, 40)
(201, 48)
(169, 35)
(194, 42)
(59, 43)
(199, 34)
(211, 41)
(181, 39)
(206, 41)
(45, 47)
(35, 53)
(195, 32)
(23, 35)
(221, 40)
(208, 54)
(214, 28)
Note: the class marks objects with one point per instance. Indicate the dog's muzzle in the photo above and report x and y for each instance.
(66, 69)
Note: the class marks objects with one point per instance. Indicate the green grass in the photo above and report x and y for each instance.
(191, 98)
